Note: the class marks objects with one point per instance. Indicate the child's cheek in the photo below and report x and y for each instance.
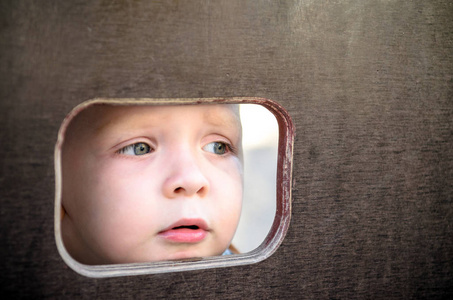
(233, 168)
(122, 207)
(230, 192)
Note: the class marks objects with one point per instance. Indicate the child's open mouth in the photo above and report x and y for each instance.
(186, 231)
(194, 227)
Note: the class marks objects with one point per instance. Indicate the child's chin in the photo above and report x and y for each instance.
(190, 255)
(187, 255)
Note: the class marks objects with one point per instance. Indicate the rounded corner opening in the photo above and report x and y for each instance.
(277, 227)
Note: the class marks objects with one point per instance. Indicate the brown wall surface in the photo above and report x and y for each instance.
(369, 85)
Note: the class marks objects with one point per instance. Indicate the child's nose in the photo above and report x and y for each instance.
(186, 179)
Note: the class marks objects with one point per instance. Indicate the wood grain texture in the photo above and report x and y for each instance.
(369, 85)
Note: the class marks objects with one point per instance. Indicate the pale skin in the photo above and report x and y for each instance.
(151, 183)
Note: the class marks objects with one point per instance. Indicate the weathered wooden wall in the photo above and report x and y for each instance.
(369, 85)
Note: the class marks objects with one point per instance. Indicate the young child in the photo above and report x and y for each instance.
(150, 183)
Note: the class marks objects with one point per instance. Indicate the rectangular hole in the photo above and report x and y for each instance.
(272, 232)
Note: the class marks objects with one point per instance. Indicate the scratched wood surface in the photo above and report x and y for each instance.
(369, 85)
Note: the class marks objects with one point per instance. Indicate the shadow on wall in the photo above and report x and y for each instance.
(260, 143)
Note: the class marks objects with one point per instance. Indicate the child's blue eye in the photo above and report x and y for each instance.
(217, 148)
(136, 149)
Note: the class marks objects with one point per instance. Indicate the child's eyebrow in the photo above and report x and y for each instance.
(222, 119)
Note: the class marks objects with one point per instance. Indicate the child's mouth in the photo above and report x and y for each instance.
(186, 231)
(194, 227)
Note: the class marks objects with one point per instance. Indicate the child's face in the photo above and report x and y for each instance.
(148, 183)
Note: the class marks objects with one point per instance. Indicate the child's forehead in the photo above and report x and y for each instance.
(99, 119)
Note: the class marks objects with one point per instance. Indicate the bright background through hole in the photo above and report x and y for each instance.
(260, 143)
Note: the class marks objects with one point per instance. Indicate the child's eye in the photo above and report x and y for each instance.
(217, 148)
(136, 149)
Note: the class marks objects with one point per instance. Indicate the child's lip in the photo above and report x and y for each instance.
(186, 231)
